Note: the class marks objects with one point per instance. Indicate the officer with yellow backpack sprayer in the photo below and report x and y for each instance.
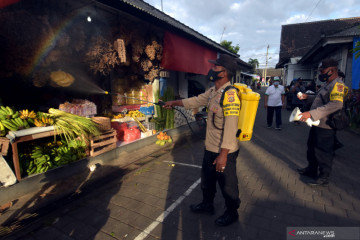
(231, 116)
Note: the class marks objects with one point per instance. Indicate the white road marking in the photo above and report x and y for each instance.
(183, 164)
(166, 213)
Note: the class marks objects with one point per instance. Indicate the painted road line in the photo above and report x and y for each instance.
(164, 214)
(183, 164)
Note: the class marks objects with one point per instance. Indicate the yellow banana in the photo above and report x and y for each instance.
(32, 114)
(23, 114)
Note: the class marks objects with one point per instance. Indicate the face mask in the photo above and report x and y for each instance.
(213, 75)
(276, 84)
(324, 77)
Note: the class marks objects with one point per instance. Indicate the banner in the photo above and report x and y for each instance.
(355, 68)
(183, 55)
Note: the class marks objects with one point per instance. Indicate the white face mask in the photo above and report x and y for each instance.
(276, 84)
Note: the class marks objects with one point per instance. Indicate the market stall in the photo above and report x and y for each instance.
(61, 77)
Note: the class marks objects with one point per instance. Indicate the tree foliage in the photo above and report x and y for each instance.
(254, 63)
(228, 45)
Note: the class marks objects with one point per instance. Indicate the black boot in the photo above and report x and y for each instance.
(321, 181)
(202, 208)
(227, 218)
(307, 172)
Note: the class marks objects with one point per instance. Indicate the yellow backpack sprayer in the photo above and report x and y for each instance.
(249, 102)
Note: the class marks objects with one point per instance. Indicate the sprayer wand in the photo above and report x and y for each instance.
(159, 103)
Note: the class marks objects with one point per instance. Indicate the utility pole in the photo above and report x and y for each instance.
(266, 61)
(162, 6)
(222, 34)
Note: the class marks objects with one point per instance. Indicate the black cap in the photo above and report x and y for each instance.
(329, 62)
(226, 61)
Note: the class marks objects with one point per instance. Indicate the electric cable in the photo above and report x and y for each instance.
(313, 10)
(192, 130)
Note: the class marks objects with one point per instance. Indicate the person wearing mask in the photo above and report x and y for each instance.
(321, 140)
(221, 144)
(274, 101)
(296, 102)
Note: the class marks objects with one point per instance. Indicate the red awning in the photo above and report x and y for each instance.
(4, 3)
(180, 54)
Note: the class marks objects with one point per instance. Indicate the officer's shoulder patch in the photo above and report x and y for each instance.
(337, 93)
(231, 104)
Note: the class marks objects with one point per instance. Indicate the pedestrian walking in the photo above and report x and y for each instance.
(321, 140)
(221, 144)
(274, 101)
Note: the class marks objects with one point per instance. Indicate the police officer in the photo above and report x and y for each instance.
(321, 139)
(221, 144)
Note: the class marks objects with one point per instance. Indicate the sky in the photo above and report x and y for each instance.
(253, 24)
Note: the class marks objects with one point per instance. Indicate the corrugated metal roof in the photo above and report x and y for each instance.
(161, 16)
(351, 32)
(297, 39)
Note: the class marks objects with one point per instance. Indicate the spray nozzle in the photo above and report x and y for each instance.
(109, 93)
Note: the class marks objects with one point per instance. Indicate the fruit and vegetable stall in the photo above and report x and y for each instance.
(42, 141)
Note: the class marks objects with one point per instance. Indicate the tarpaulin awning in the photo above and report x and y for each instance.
(180, 54)
(4, 3)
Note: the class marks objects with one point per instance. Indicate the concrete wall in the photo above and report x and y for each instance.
(296, 71)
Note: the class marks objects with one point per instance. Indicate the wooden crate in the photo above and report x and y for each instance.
(4, 146)
(103, 143)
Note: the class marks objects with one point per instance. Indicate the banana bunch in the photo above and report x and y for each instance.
(64, 155)
(43, 121)
(40, 162)
(136, 114)
(25, 114)
(15, 124)
(8, 113)
(119, 116)
(2, 130)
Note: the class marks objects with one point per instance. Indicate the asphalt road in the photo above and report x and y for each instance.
(151, 199)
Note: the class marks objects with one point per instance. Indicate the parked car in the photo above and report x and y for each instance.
(310, 88)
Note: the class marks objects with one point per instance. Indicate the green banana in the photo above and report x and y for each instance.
(13, 121)
(50, 164)
(31, 165)
(3, 109)
(2, 126)
(2, 112)
(30, 120)
(32, 171)
(38, 167)
(36, 155)
(26, 124)
(2, 116)
(10, 111)
(40, 161)
(18, 122)
(46, 168)
(9, 125)
(16, 114)
(37, 151)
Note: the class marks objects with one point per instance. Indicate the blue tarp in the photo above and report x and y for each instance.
(356, 68)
